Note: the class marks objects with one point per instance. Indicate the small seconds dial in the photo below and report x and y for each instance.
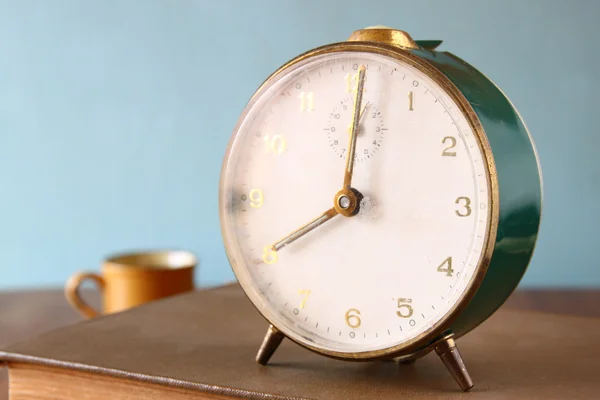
(323, 272)
(370, 129)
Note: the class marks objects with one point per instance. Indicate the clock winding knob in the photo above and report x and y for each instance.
(394, 37)
(383, 34)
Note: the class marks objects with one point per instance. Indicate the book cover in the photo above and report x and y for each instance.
(204, 343)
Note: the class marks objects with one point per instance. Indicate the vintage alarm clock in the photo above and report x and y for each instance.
(379, 199)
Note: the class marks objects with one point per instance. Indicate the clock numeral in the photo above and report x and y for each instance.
(448, 270)
(269, 255)
(447, 153)
(275, 144)
(305, 293)
(410, 101)
(307, 101)
(352, 318)
(405, 310)
(256, 198)
(352, 82)
(350, 78)
(466, 205)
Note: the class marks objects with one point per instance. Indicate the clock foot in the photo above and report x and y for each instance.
(448, 352)
(270, 343)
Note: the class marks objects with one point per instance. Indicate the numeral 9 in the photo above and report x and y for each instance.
(352, 318)
(256, 198)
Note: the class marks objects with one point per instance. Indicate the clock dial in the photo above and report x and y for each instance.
(390, 273)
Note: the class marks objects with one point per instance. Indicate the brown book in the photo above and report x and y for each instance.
(202, 345)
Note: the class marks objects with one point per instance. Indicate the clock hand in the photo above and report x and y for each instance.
(346, 200)
(360, 83)
(360, 117)
(298, 233)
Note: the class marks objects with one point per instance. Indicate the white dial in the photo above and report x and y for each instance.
(380, 278)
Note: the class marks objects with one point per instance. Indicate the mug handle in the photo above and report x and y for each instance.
(74, 297)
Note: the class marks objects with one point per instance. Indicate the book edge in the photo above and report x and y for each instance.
(7, 358)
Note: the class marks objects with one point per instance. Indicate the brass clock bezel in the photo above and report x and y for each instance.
(427, 338)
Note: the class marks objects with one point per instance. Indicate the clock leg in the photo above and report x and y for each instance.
(270, 343)
(448, 352)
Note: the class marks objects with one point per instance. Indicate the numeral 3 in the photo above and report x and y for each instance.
(466, 205)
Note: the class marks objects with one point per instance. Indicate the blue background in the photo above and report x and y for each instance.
(114, 117)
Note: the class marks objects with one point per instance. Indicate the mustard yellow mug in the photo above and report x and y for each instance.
(129, 280)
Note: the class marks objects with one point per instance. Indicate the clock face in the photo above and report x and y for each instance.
(396, 269)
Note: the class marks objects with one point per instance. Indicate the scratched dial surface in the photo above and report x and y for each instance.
(391, 272)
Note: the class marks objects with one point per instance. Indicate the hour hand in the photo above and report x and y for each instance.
(303, 230)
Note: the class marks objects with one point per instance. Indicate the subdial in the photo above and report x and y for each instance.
(370, 129)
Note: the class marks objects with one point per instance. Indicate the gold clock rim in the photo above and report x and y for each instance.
(429, 336)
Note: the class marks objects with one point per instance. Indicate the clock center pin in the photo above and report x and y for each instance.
(347, 202)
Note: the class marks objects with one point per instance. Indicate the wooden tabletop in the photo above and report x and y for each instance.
(24, 314)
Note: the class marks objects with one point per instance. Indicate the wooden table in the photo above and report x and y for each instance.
(28, 313)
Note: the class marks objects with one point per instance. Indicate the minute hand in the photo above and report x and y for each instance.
(360, 83)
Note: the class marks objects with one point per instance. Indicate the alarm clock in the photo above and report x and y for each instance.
(379, 199)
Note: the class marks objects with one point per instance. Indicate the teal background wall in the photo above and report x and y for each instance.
(114, 117)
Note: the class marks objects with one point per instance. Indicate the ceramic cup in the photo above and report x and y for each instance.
(129, 280)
